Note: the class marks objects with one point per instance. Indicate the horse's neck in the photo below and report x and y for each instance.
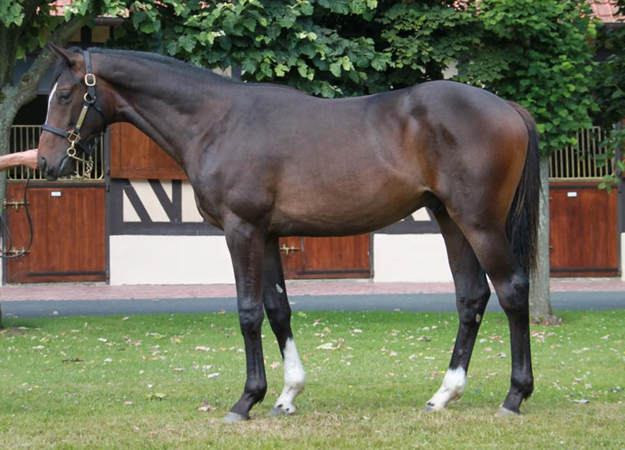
(175, 111)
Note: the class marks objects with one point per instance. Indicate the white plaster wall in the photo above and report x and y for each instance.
(169, 260)
(451, 70)
(410, 258)
(205, 259)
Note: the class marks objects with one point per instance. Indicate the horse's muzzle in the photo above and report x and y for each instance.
(52, 173)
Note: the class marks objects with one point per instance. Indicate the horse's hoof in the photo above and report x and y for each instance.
(234, 418)
(430, 407)
(277, 411)
(505, 412)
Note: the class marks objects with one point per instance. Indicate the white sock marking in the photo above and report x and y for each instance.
(294, 378)
(451, 389)
(50, 100)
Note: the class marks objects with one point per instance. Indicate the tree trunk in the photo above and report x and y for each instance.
(540, 298)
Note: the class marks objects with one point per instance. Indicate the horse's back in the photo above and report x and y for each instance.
(355, 165)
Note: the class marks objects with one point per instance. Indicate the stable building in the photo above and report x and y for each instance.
(133, 220)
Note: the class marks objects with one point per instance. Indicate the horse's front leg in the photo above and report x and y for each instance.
(279, 314)
(247, 249)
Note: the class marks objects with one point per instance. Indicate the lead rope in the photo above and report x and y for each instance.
(3, 226)
(88, 168)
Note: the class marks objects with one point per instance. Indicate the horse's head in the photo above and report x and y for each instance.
(75, 114)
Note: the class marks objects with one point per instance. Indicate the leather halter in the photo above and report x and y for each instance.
(73, 136)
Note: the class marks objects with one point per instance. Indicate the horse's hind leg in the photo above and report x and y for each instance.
(279, 313)
(472, 294)
(512, 286)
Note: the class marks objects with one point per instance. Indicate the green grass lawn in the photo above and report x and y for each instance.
(137, 382)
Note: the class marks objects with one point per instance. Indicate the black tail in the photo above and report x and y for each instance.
(522, 223)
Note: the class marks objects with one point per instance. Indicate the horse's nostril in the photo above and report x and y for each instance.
(42, 165)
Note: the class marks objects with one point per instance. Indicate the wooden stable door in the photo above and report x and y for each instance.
(583, 231)
(332, 257)
(69, 233)
(134, 155)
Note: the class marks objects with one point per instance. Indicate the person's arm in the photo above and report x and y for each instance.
(27, 158)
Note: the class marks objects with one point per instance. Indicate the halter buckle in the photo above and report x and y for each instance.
(90, 79)
(73, 137)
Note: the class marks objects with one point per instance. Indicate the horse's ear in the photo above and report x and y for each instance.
(70, 57)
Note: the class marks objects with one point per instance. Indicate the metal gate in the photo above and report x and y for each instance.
(68, 220)
(24, 137)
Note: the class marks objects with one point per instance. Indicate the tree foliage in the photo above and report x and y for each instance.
(536, 53)
(25, 27)
(610, 94)
(277, 41)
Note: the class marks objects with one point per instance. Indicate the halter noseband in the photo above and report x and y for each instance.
(73, 136)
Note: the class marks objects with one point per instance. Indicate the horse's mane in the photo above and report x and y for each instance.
(186, 68)
(183, 66)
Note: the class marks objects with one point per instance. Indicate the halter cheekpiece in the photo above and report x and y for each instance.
(73, 136)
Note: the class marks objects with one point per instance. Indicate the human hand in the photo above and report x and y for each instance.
(29, 158)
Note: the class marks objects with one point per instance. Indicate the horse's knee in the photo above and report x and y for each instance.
(513, 294)
(251, 319)
(471, 305)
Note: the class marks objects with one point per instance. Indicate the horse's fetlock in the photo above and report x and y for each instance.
(256, 390)
(523, 384)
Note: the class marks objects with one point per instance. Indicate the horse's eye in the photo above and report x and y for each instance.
(65, 97)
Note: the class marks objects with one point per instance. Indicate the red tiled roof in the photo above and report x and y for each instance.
(606, 10)
(57, 7)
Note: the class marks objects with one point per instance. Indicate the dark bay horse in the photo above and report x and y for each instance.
(267, 161)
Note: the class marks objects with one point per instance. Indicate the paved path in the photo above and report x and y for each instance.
(72, 300)
(379, 302)
(295, 288)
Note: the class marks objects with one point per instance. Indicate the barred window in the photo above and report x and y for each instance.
(24, 137)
